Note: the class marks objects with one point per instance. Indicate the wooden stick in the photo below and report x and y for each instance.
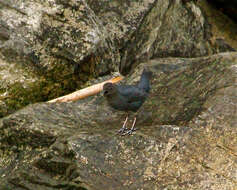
(85, 92)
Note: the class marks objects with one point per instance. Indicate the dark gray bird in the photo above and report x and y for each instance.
(128, 97)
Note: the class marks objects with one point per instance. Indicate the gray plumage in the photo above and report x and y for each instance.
(128, 97)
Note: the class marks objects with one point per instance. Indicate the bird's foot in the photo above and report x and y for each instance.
(122, 130)
(129, 132)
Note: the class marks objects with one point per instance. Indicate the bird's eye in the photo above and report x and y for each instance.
(106, 92)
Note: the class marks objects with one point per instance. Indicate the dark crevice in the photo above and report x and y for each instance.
(229, 8)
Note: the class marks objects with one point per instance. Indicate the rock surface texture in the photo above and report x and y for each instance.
(50, 48)
(187, 137)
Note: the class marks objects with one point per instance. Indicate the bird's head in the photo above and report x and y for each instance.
(109, 89)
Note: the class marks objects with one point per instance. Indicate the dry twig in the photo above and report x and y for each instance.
(83, 93)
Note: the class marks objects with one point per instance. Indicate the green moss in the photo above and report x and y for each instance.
(57, 82)
(20, 96)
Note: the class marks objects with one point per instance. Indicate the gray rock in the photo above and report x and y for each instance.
(176, 29)
(51, 48)
(187, 137)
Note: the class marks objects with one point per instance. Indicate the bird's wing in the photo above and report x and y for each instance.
(132, 93)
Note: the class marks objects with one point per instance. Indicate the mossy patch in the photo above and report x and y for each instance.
(46, 84)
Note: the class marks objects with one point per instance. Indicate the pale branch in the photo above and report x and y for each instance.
(85, 92)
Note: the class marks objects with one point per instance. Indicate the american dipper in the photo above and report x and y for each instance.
(128, 97)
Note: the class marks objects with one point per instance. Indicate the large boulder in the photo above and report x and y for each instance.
(177, 29)
(187, 137)
(50, 48)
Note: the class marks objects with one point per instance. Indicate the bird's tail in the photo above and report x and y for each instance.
(144, 82)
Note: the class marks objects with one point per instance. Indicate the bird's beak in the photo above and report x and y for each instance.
(105, 93)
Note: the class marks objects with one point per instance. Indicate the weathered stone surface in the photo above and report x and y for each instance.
(187, 137)
(50, 30)
(176, 29)
(59, 45)
(223, 30)
(50, 48)
(121, 18)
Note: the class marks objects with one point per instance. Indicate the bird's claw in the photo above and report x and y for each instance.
(129, 132)
(122, 130)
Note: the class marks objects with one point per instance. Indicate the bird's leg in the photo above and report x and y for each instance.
(122, 130)
(129, 132)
